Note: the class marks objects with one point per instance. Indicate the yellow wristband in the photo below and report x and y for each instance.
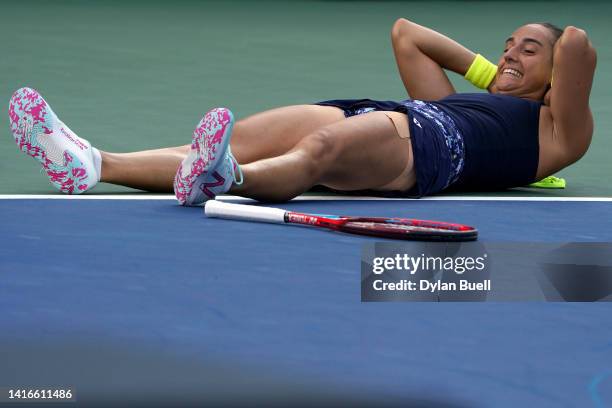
(481, 72)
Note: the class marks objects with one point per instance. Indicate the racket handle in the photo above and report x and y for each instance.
(214, 208)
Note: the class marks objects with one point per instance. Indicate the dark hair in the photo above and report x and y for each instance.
(554, 30)
(556, 34)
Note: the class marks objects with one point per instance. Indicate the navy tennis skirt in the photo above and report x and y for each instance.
(437, 144)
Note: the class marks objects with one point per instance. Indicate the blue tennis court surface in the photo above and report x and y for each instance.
(125, 280)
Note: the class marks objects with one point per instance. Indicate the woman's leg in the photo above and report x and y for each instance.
(275, 132)
(150, 170)
(263, 135)
(363, 152)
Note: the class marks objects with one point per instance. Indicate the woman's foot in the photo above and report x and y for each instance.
(209, 168)
(71, 163)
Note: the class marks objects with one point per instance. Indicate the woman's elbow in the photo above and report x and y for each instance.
(577, 38)
(573, 34)
(575, 41)
(400, 29)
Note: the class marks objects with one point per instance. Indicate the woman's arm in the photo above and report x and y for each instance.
(422, 55)
(574, 63)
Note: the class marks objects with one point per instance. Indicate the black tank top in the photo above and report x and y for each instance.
(500, 134)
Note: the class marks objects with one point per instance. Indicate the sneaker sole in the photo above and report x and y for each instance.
(31, 116)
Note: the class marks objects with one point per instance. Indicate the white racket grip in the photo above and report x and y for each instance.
(218, 209)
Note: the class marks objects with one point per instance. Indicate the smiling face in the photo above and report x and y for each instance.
(525, 67)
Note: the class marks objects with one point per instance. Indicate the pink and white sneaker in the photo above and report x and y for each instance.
(71, 163)
(210, 168)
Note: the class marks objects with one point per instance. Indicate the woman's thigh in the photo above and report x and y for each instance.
(275, 132)
(371, 151)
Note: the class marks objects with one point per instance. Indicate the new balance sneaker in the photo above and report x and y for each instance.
(210, 168)
(71, 163)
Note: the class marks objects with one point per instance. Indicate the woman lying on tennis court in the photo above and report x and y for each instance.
(523, 130)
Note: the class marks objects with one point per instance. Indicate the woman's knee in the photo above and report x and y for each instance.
(323, 145)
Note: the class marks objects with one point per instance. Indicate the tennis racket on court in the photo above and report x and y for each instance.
(393, 228)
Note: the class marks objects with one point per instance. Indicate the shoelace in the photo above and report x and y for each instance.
(235, 166)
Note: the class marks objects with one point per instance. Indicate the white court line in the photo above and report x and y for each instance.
(300, 198)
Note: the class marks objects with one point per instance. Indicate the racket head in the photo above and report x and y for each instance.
(408, 229)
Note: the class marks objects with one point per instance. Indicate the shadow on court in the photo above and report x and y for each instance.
(106, 375)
